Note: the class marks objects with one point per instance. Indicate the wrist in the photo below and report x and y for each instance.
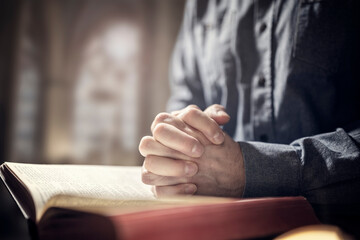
(242, 180)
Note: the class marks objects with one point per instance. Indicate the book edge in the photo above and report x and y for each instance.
(4, 168)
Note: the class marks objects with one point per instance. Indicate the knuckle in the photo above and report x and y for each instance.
(148, 163)
(191, 113)
(165, 191)
(193, 106)
(161, 117)
(147, 178)
(144, 145)
(214, 108)
(218, 106)
(159, 129)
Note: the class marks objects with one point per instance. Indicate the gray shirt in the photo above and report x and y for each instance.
(287, 73)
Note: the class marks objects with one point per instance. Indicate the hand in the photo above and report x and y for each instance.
(195, 126)
(189, 153)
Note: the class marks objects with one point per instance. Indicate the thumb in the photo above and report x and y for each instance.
(217, 113)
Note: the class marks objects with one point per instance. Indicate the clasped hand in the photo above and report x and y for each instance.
(188, 153)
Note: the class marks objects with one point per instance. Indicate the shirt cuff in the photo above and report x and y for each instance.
(270, 170)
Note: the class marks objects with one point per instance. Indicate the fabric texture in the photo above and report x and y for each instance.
(287, 73)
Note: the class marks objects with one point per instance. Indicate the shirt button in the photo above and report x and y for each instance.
(263, 27)
(261, 82)
(264, 138)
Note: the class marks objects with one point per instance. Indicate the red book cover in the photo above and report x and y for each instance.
(241, 219)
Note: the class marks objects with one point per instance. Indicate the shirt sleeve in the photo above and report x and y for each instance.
(324, 168)
(185, 84)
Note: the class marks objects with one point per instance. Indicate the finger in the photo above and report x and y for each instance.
(149, 146)
(169, 119)
(174, 190)
(218, 113)
(176, 113)
(202, 122)
(150, 178)
(197, 134)
(178, 140)
(179, 124)
(169, 167)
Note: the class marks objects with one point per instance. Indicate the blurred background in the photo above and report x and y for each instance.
(80, 82)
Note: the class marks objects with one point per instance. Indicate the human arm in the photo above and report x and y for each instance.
(324, 168)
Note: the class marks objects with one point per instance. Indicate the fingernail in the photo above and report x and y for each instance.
(190, 189)
(197, 149)
(218, 138)
(190, 169)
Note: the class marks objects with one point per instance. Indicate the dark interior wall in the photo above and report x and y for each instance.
(58, 31)
(9, 13)
(160, 19)
(13, 225)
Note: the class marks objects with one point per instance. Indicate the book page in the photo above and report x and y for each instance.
(111, 182)
(115, 207)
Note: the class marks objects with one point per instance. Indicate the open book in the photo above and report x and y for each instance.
(111, 202)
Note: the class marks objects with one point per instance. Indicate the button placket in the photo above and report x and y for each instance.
(261, 82)
(262, 118)
(262, 28)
